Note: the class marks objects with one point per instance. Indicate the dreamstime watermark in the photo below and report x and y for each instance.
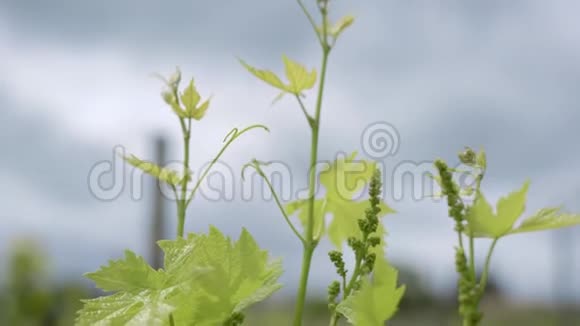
(109, 179)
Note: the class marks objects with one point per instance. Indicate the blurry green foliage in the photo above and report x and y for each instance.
(26, 295)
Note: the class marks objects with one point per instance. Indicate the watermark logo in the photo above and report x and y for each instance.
(380, 140)
(109, 179)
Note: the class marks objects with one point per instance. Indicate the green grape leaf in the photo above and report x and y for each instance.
(190, 97)
(299, 78)
(265, 75)
(241, 276)
(166, 175)
(547, 219)
(143, 295)
(129, 274)
(342, 181)
(483, 222)
(206, 278)
(199, 112)
(377, 300)
(124, 308)
(301, 207)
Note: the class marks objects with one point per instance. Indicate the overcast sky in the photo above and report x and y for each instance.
(76, 81)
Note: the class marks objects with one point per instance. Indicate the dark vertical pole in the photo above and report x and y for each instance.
(157, 222)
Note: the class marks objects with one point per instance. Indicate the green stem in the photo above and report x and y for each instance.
(485, 274)
(479, 178)
(182, 200)
(306, 115)
(460, 240)
(311, 243)
(180, 218)
(301, 296)
(472, 256)
(312, 22)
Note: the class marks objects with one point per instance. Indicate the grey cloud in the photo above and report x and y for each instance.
(498, 74)
(35, 150)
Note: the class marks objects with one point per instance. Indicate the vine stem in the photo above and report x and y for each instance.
(229, 139)
(256, 166)
(310, 242)
(485, 273)
(472, 256)
(182, 200)
(479, 178)
(312, 22)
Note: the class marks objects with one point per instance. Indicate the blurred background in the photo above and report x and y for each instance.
(76, 85)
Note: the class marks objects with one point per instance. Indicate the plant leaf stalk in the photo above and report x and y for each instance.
(310, 242)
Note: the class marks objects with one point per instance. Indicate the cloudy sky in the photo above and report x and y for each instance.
(76, 81)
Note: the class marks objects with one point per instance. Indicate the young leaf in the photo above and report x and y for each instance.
(190, 97)
(377, 300)
(345, 178)
(547, 219)
(512, 207)
(242, 275)
(483, 222)
(301, 206)
(143, 294)
(207, 279)
(199, 112)
(166, 175)
(129, 274)
(300, 79)
(265, 75)
(124, 308)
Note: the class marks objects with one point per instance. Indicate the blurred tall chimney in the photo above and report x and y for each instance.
(158, 211)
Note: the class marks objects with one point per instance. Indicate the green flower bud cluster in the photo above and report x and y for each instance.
(361, 246)
(336, 259)
(469, 293)
(475, 160)
(333, 293)
(368, 226)
(451, 190)
(468, 156)
(468, 287)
